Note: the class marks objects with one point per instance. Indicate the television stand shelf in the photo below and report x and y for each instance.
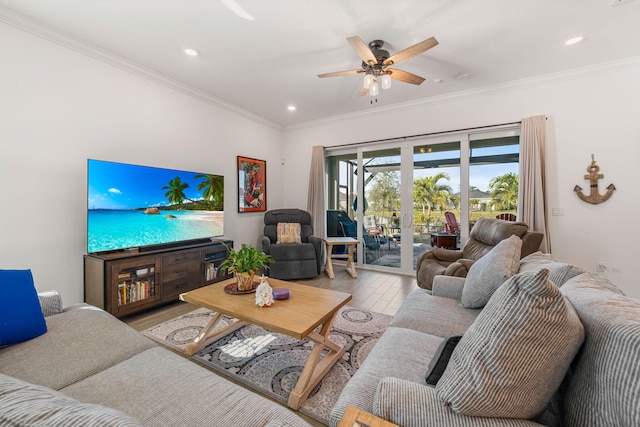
(124, 283)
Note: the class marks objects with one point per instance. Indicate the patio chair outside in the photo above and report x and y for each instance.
(452, 223)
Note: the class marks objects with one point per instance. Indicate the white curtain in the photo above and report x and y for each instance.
(315, 197)
(532, 192)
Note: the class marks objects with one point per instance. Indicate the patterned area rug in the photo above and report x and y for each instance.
(270, 362)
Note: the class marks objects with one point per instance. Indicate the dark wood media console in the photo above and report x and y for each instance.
(124, 283)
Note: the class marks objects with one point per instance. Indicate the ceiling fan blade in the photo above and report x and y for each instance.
(341, 73)
(411, 51)
(362, 50)
(363, 91)
(404, 76)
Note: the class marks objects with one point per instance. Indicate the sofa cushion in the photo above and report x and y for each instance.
(25, 404)
(394, 355)
(513, 358)
(603, 387)
(161, 388)
(491, 271)
(21, 317)
(559, 272)
(439, 316)
(410, 404)
(288, 232)
(96, 339)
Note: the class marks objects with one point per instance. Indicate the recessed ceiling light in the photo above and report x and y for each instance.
(291, 108)
(191, 52)
(438, 81)
(573, 40)
(462, 76)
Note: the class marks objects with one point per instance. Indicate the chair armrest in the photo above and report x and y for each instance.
(266, 244)
(50, 302)
(81, 306)
(433, 262)
(459, 268)
(448, 287)
(411, 404)
(321, 252)
(447, 255)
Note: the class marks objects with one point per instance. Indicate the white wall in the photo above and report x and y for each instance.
(589, 111)
(58, 108)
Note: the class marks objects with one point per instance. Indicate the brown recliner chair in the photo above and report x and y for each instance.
(485, 234)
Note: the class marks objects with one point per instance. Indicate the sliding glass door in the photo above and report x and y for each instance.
(399, 196)
(436, 191)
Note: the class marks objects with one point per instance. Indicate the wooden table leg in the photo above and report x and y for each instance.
(351, 266)
(313, 370)
(205, 338)
(329, 265)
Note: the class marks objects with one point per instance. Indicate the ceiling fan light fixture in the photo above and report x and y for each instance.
(374, 89)
(368, 79)
(385, 81)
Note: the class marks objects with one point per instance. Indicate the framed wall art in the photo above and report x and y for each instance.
(252, 185)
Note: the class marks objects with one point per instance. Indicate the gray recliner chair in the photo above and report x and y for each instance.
(485, 234)
(292, 260)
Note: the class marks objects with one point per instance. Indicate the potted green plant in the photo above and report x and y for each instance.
(244, 263)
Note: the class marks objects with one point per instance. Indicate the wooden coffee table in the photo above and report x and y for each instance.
(306, 309)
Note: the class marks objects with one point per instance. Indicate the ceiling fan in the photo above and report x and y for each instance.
(377, 62)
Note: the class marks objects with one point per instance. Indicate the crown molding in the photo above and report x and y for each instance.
(597, 69)
(63, 39)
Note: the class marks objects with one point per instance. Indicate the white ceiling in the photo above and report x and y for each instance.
(265, 64)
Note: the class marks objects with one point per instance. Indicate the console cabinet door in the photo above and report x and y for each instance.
(211, 261)
(134, 284)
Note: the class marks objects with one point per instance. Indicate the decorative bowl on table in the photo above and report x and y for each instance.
(280, 293)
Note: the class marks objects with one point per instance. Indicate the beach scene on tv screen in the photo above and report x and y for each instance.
(131, 206)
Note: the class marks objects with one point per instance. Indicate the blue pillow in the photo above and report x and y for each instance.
(21, 317)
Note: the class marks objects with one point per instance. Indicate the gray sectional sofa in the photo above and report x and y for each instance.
(90, 368)
(601, 387)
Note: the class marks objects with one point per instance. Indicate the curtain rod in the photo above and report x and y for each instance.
(401, 138)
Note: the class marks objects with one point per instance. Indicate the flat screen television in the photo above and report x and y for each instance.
(135, 207)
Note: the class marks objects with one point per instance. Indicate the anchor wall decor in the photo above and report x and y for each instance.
(594, 197)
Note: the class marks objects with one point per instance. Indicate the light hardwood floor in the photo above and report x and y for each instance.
(371, 290)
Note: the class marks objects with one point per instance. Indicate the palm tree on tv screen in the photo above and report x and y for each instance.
(212, 188)
(175, 194)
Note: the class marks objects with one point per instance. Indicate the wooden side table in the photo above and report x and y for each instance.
(444, 240)
(351, 244)
(356, 417)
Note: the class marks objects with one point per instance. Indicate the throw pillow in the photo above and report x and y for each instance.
(559, 272)
(441, 358)
(26, 404)
(288, 232)
(512, 359)
(21, 317)
(491, 271)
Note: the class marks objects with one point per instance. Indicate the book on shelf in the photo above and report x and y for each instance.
(130, 292)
